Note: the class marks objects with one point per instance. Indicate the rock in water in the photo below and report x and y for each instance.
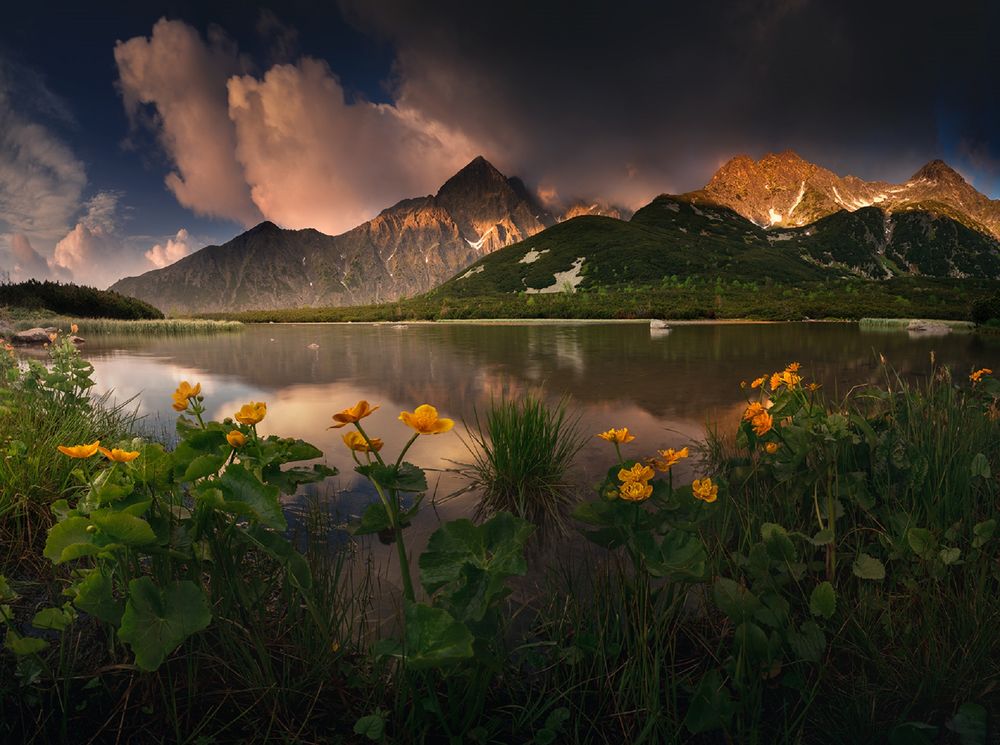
(32, 336)
(656, 323)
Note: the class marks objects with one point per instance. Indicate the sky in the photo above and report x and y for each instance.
(133, 133)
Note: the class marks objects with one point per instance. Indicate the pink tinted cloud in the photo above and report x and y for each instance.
(173, 249)
(184, 78)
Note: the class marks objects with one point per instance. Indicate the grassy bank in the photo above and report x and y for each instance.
(830, 576)
(692, 298)
(24, 319)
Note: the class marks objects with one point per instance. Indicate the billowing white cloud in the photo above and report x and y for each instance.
(27, 263)
(314, 159)
(183, 78)
(289, 145)
(163, 254)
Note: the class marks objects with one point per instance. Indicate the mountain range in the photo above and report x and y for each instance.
(779, 218)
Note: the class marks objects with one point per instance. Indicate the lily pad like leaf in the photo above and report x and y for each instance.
(434, 638)
(157, 621)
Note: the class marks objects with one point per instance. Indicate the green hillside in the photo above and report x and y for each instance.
(74, 300)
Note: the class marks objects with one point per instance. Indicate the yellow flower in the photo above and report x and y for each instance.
(424, 419)
(788, 378)
(668, 458)
(184, 392)
(73, 328)
(638, 472)
(758, 382)
(705, 490)
(119, 456)
(617, 435)
(635, 491)
(813, 387)
(775, 382)
(251, 413)
(978, 374)
(753, 410)
(80, 451)
(236, 438)
(793, 367)
(771, 448)
(53, 337)
(356, 441)
(354, 414)
(762, 424)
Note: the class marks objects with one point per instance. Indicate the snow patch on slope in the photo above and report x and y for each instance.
(562, 281)
(532, 256)
(482, 239)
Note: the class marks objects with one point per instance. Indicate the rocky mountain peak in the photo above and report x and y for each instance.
(478, 176)
(938, 171)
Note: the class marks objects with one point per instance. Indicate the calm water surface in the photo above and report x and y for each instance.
(665, 386)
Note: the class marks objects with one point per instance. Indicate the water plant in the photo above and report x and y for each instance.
(523, 453)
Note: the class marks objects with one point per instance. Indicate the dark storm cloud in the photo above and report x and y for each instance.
(633, 98)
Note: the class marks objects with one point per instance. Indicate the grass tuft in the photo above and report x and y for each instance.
(523, 453)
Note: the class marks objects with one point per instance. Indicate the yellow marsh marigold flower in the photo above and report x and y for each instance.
(635, 491)
(638, 472)
(356, 441)
(251, 413)
(758, 382)
(119, 456)
(772, 448)
(762, 424)
(978, 374)
(705, 490)
(793, 367)
(184, 392)
(813, 387)
(354, 414)
(80, 451)
(753, 410)
(424, 419)
(73, 328)
(236, 438)
(668, 458)
(620, 436)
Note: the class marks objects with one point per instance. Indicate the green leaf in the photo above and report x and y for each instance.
(680, 555)
(406, 478)
(125, 528)
(23, 645)
(6, 593)
(434, 639)
(969, 723)
(373, 520)
(980, 467)
(949, 556)
(371, 726)
(808, 642)
(823, 600)
(921, 541)
(52, 619)
(245, 492)
(983, 532)
(868, 567)
(496, 546)
(93, 595)
(157, 621)
(70, 540)
(202, 466)
(289, 480)
(711, 705)
(823, 537)
(779, 545)
(735, 600)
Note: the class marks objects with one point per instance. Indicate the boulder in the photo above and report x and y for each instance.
(658, 324)
(33, 336)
